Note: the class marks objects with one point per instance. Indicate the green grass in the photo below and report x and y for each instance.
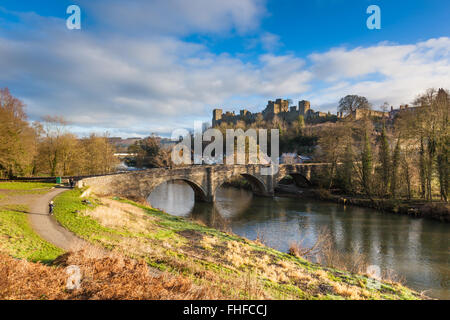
(18, 239)
(174, 244)
(68, 209)
(25, 186)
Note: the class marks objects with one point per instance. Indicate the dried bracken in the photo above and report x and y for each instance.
(107, 277)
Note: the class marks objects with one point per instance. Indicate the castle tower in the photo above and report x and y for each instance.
(243, 113)
(304, 106)
(283, 105)
(217, 117)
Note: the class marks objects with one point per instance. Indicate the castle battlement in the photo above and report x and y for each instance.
(279, 108)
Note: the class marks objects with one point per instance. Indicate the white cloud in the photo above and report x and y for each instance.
(270, 41)
(120, 83)
(384, 72)
(177, 16)
(266, 41)
(158, 82)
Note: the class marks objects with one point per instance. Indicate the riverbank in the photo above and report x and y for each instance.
(231, 266)
(137, 252)
(17, 237)
(33, 268)
(439, 211)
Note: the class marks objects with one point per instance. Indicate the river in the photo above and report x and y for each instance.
(417, 250)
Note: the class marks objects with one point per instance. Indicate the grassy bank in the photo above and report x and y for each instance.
(230, 266)
(31, 268)
(19, 240)
(23, 188)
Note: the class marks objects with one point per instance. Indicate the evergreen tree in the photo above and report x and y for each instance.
(422, 169)
(348, 168)
(395, 165)
(366, 164)
(385, 162)
(301, 124)
(443, 140)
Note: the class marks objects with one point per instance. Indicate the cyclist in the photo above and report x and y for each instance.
(50, 207)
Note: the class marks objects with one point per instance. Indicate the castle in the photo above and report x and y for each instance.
(362, 113)
(279, 108)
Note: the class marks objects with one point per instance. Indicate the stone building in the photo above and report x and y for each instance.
(279, 108)
(362, 113)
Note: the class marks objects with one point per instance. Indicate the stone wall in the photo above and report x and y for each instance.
(278, 108)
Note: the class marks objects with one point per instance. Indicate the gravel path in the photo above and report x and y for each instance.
(46, 226)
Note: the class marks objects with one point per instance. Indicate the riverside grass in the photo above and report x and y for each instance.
(17, 185)
(19, 240)
(234, 266)
(24, 188)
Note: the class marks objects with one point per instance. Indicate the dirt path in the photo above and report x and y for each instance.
(47, 227)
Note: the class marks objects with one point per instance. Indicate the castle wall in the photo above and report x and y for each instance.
(279, 108)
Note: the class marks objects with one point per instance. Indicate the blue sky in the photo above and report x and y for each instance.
(138, 66)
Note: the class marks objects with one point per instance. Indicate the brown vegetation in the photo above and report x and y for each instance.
(103, 277)
(150, 154)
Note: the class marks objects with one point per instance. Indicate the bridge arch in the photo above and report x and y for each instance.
(257, 185)
(300, 179)
(199, 191)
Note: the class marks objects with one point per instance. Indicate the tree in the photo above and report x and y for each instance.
(423, 187)
(431, 127)
(347, 165)
(366, 159)
(395, 166)
(350, 103)
(440, 109)
(57, 146)
(150, 154)
(406, 171)
(332, 141)
(425, 132)
(98, 155)
(300, 124)
(17, 148)
(385, 161)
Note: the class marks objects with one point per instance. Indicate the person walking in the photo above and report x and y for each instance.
(50, 207)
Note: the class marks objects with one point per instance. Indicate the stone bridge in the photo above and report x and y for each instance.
(204, 179)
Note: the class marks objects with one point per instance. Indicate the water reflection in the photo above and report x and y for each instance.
(416, 249)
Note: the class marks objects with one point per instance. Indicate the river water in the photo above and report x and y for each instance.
(417, 250)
